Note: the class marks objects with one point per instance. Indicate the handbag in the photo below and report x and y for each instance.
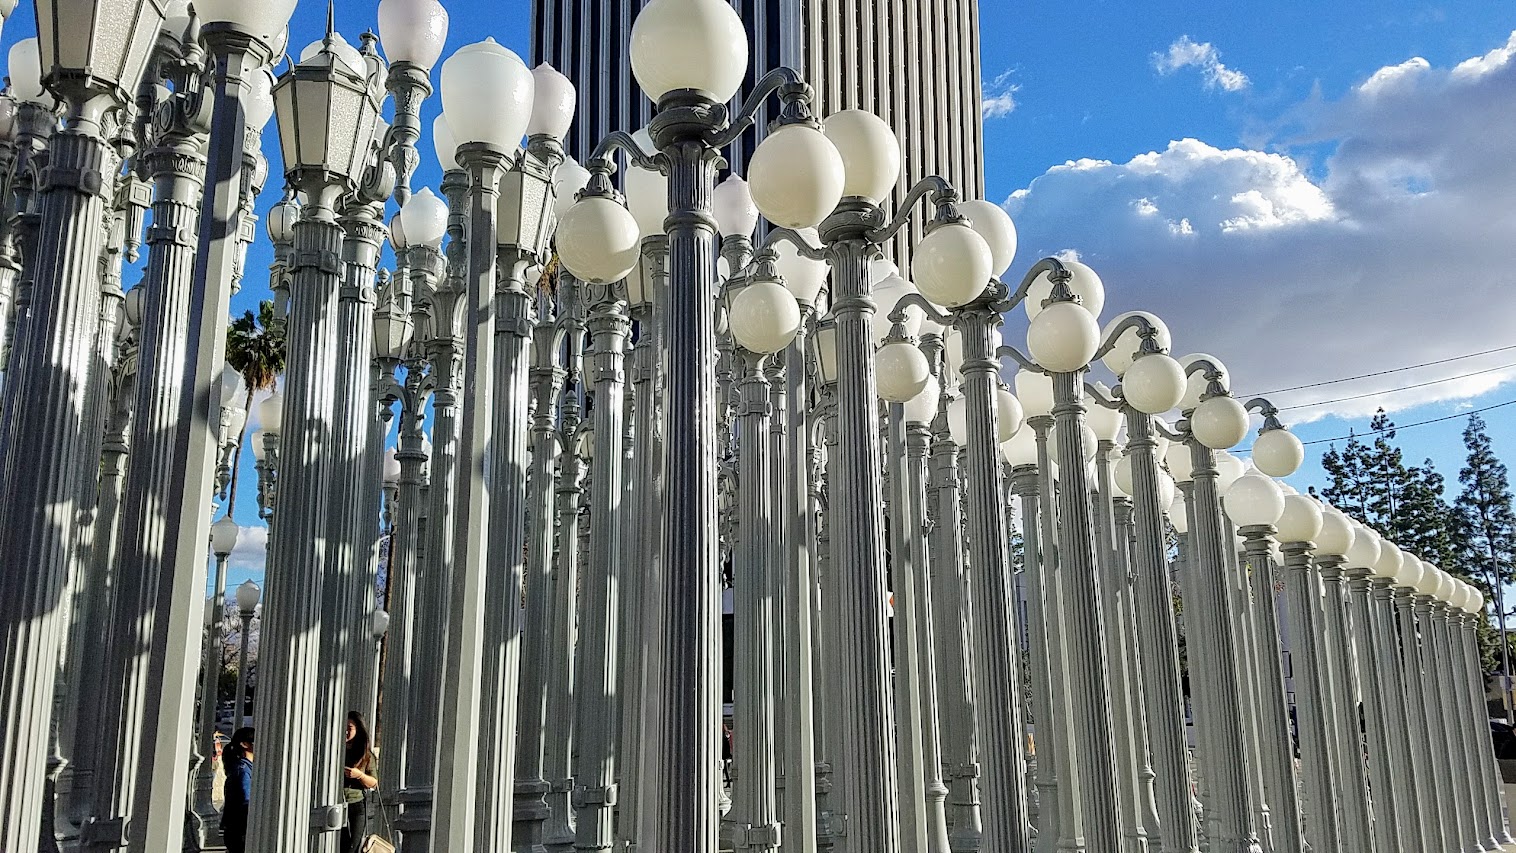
(377, 842)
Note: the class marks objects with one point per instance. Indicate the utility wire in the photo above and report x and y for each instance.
(1378, 373)
(1398, 390)
(1401, 427)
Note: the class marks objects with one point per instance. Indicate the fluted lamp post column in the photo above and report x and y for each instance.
(296, 802)
(224, 534)
(248, 594)
(92, 77)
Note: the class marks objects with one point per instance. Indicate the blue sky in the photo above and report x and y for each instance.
(1248, 171)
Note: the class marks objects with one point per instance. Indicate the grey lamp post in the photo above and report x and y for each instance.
(247, 606)
(224, 535)
(302, 757)
(830, 819)
(1454, 713)
(1487, 780)
(93, 77)
(1230, 826)
(1441, 782)
(1351, 782)
(1386, 649)
(1381, 769)
(1409, 659)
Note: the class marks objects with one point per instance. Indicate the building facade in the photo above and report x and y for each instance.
(914, 63)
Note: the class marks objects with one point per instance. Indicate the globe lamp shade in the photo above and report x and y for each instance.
(796, 175)
(265, 19)
(887, 296)
(1035, 391)
(391, 467)
(1431, 580)
(990, 221)
(958, 421)
(260, 452)
(1364, 552)
(1083, 283)
(803, 276)
(1063, 338)
(26, 73)
(1180, 462)
(922, 408)
(327, 117)
(259, 106)
(1121, 475)
(598, 240)
(553, 103)
(247, 596)
(1278, 453)
(1021, 449)
(764, 317)
(1167, 488)
(1228, 469)
(224, 535)
(1008, 414)
(902, 371)
(689, 44)
(1153, 384)
(1219, 423)
(870, 153)
(423, 219)
(1254, 500)
(1390, 558)
(732, 205)
(413, 31)
(89, 46)
(1301, 520)
(1105, 422)
(1196, 383)
(952, 265)
(445, 144)
(379, 624)
(487, 95)
(1179, 516)
(647, 197)
(568, 181)
(1128, 347)
(271, 413)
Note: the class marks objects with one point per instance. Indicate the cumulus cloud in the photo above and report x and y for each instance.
(1187, 53)
(252, 550)
(1400, 250)
(999, 96)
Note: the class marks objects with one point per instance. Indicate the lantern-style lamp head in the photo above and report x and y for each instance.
(732, 205)
(487, 95)
(392, 331)
(826, 350)
(97, 47)
(328, 115)
(698, 45)
(224, 536)
(247, 596)
(413, 31)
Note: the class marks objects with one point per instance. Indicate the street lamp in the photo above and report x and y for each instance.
(224, 534)
(248, 595)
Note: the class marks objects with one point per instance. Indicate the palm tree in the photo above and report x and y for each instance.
(255, 349)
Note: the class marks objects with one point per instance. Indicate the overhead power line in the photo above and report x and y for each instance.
(1379, 373)
(1398, 390)
(1403, 427)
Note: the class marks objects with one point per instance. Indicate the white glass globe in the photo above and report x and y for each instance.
(1364, 551)
(1121, 474)
(1008, 414)
(1430, 580)
(1278, 453)
(732, 205)
(1254, 499)
(1105, 422)
(1301, 520)
(952, 265)
(259, 451)
(271, 413)
(1228, 469)
(26, 72)
(689, 44)
(922, 408)
(264, 18)
(445, 144)
(568, 180)
(887, 295)
(340, 48)
(391, 467)
(258, 108)
(881, 268)
(902, 371)
(1167, 488)
(224, 535)
(992, 223)
(796, 176)
(1390, 558)
(553, 103)
(1411, 570)
(598, 240)
(1063, 338)
(413, 31)
(1196, 383)
(1179, 516)
(1153, 384)
(1021, 449)
(487, 95)
(1088, 444)
(1337, 533)
(952, 354)
(1179, 461)
(647, 197)
(765, 317)
(870, 153)
(1083, 282)
(1219, 423)
(958, 421)
(1035, 391)
(423, 219)
(803, 276)
(1129, 345)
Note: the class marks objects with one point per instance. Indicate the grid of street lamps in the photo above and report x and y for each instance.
(586, 395)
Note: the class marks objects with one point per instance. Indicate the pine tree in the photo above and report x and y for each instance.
(1485, 517)
(1349, 490)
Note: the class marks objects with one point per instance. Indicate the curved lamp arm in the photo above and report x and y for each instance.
(1105, 400)
(1145, 329)
(1055, 270)
(943, 195)
(1008, 351)
(602, 166)
(1269, 411)
(1163, 429)
(794, 238)
(1212, 374)
(933, 313)
(794, 94)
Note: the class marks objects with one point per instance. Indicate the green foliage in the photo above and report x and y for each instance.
(1486, 523)
(255, 348)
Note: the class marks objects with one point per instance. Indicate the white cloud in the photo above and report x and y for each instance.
(1186, 53)
(999, 96)
(1401, 250)
(251, 552)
